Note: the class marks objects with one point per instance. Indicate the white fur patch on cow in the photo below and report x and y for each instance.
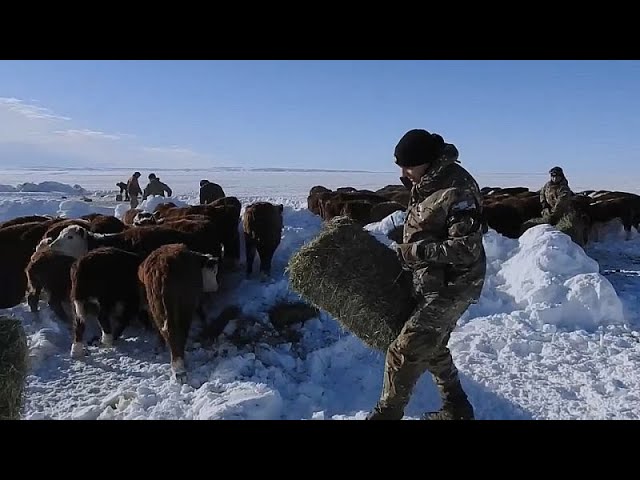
(178, 366)
(179, 371)
(44, 243)
(210, 279)
(80, 307)
(71, 241)
(77, 350)
(144, 218)
(107, 339)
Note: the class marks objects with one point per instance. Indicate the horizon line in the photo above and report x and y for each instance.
(190, 169)
(241, 169)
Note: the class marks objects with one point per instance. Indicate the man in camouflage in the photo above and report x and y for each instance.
(555, 196)
(442, 247)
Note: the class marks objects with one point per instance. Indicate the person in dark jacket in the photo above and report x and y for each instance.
(156, 187)
(210, 192)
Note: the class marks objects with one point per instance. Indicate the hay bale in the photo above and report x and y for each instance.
(346, 272)
(13, 367)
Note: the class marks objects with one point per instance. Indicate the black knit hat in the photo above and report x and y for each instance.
(417, 147)
(556, 170)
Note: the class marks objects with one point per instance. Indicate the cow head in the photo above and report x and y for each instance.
(72, 241)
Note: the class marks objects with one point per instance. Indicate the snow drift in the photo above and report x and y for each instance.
(147, 205)
(49, 187)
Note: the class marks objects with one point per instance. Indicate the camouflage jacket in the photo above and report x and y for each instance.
(556, 197)
(442, 232)
(156, 187)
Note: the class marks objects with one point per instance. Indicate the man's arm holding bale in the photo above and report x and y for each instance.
(464, 236)
(543, 201)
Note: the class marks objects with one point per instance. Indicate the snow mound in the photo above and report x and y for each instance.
(153, 201)
(78, 208)
(551, 278)
(148, 205)
(120, 210)
(48, 187)
(14, 208)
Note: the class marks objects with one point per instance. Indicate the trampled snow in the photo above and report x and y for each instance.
(554, 336)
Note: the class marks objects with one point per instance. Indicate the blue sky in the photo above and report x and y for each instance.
(504, 116)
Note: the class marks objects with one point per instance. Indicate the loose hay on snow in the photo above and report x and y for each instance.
(13, 367)
(359, 281)
(574, 225)
(284, 314)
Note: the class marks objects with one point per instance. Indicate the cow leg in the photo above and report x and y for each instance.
(126, 312)
(250, 252)
(68, 310)
(83, 311)
(201, 308)
(178, 325)
(34, 290)
(627, 221)
(266, 258)
(33, 297)
(104, 318)
(232, 249)
(144, 319)
(56, 306)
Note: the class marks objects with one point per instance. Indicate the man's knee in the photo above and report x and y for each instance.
(415, 347)
(426, 333)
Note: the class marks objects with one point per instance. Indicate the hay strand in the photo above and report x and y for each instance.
(13, 368)
(573, 224)
(346, 272)
(285, 314)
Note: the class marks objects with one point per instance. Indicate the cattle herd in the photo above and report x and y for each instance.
(505, 210)
(152, 268)
(156, 268)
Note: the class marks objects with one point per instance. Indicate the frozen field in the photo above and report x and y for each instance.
(554, 336)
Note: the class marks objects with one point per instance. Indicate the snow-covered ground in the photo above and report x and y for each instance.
(554, 335)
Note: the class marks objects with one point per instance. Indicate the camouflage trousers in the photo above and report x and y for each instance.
(422, 346)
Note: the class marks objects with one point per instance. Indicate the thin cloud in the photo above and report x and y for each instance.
(33, 132)
(30, 110)
(86, 133)
(170, 150)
